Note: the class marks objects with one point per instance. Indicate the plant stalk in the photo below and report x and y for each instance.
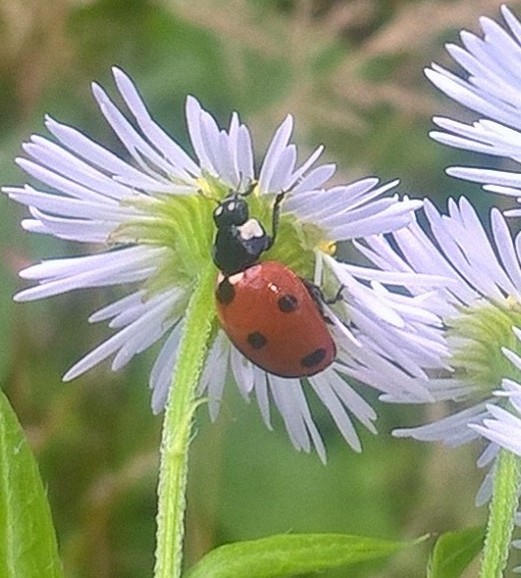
(502, 512)
(177, 427)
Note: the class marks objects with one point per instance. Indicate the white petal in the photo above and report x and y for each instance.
(293, 407)
(148, 324)
(156, 135)
(277, 145)
(162, 374)
(214, 374)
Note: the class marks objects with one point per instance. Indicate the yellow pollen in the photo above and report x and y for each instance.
(328, 247)
(205, 188)
(513, 303)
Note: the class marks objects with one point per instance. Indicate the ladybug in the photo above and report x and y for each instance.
(271, 315)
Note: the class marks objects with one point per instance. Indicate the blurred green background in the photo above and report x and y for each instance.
(352, 75)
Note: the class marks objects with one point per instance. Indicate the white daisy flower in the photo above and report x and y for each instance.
(478, 308)
(491, 87)
(150, 214)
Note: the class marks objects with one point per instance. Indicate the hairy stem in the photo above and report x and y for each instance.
(501, 518)
(177, 426)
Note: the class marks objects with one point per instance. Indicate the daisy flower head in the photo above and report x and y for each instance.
(503, 425)
(490, 87)
(153, 216)
(479, 307)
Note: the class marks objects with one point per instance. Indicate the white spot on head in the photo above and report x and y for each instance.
(236, 278)
(218, 211)
(252, 228)
(231, 206)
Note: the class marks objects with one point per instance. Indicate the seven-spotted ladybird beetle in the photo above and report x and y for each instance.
(271, 315)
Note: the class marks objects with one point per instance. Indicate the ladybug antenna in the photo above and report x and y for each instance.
(250, 187)
(237, 193)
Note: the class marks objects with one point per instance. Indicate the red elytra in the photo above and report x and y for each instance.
(269, 315)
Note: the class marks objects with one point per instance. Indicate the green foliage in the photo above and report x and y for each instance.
(454, 551)
(290, 555)
(27, 541)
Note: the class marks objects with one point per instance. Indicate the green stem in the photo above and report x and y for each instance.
(503, 507)
(177, 429)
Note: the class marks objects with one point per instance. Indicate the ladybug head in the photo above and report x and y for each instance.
(233, 210)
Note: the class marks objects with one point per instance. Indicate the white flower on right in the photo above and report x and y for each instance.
(490, 87)
(479, 307)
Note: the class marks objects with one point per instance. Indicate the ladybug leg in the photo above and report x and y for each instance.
(338, 296)
(320, 299)
(275, 217)
(318, 295)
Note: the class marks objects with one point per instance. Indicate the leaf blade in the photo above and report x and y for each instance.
(291, 554)
(27, 540)
(454, 551)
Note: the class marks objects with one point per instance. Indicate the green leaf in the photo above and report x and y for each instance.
(454, 551)
(291, 554)
(27, 540)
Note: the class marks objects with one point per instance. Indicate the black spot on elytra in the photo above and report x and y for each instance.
(313, 358)
(225, 292)
(288, 303)
(257, 340)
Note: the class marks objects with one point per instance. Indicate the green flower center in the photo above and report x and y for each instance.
(183, 225)
(477, 337)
